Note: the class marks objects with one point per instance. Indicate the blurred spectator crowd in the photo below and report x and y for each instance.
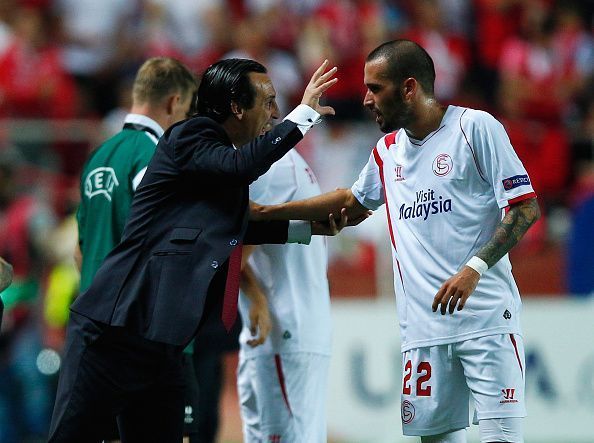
(529, 62)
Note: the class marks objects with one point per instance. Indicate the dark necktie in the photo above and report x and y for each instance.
(229, 314)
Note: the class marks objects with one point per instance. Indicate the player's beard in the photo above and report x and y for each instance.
(398, 115)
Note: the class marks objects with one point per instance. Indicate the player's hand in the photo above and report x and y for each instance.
(320, 81)
(456, 290)
(332, 227)
(260, 323)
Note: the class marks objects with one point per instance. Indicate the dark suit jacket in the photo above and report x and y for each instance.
(188, 213)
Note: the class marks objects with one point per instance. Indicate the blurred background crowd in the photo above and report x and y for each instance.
(66, 68)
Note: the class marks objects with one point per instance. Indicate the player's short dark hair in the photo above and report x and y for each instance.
(405, 59)
(224, 82)
(159, 77)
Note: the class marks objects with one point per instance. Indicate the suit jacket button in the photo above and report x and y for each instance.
(214, 264)
(233, 242)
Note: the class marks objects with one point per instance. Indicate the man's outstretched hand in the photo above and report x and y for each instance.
(319, 83)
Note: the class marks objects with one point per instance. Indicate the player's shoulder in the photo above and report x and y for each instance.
(474, 117)
(387, 141)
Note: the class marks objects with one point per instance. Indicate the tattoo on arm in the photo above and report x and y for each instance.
(510, 230)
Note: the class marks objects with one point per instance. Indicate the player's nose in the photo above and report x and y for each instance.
(368, 99)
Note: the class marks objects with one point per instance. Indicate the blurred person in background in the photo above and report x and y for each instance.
(449, 49)
(437, 169)
(100, 43)
(25, 224)
(342, 30)
(496, 21)
(580, 242)
(252, 40)
(162, 95)
(33, 80)
(546, 56)
(195, 32)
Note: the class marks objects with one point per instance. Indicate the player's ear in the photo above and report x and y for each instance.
(409, 88)
(236, 110)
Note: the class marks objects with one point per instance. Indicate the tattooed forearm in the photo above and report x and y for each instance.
(5, 274)
(510, 230)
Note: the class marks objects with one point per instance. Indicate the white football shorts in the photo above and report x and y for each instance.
(438, 380)
(283, 397)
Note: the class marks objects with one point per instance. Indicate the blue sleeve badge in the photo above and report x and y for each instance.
(515, 181)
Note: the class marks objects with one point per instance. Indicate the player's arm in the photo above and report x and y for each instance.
(6, 274)
(316, 208)
(511, 229)
(259, 315)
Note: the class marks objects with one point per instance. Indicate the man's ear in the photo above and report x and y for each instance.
(171, 102)
(236, 110)
(409, 88)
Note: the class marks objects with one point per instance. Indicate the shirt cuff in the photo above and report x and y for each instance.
(299, 232)
(304, 116)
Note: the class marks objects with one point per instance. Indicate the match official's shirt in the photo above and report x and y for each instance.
(108, 181)
(445, 196)
(293, 276)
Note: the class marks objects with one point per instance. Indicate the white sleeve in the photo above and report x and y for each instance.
(278, 185)
(498, 162)
(368, 189)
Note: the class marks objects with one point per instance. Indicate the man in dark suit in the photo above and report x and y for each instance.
(178, 259)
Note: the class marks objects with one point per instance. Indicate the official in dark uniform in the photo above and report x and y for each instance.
(178, 258)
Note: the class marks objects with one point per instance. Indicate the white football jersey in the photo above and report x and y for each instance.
(445, 196)
(293, 276)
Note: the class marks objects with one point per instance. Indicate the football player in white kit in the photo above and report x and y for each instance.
(458, 199)
(282, 384)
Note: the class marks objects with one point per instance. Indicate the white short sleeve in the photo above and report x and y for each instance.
(368, 189)
(499, 163)
(278, 185)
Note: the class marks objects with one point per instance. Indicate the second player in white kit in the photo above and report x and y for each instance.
(282, 384)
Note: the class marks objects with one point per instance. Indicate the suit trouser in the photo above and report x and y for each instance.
(107, 372)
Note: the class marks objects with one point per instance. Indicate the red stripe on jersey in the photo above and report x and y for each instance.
(521, 198)
(380, 165)
(390, 139)
(281, 380)
(513, 340)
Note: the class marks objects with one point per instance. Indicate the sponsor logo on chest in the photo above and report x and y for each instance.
(426, 203)
(101, 181)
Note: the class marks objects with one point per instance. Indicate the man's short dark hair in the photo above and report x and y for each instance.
(224, 82)
(405, 59)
